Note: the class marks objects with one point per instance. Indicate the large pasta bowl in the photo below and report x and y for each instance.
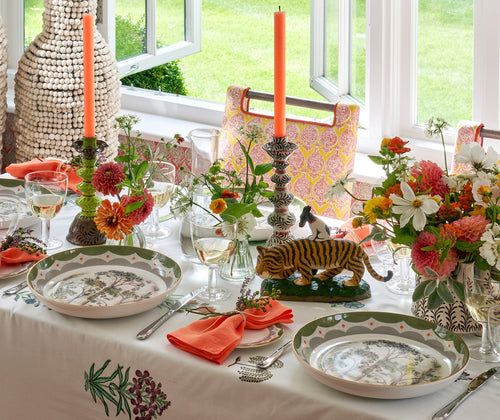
(104, 281)
(380, 354)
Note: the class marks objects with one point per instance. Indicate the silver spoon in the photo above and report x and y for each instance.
(268, 361)
(14, 289)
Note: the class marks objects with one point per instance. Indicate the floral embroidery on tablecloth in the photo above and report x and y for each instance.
(27, 297)
(142, 396)
(348, 305)
(248, 372)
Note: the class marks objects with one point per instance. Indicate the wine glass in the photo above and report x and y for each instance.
(160, 184)
(213, 240)
(494, 328)
(45, 193)
(11, 209)
(482, 292)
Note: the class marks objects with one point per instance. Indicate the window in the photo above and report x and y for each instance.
(424, 58)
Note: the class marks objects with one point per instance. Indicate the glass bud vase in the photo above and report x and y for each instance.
(240, 264)
(136, 238)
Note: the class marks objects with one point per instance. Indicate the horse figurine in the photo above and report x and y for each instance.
(320, 231)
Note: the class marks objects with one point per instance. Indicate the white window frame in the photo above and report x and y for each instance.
(391, 84)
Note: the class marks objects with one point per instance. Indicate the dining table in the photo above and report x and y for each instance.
(56, 366)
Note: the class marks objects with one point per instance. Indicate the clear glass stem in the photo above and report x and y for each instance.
(155, 220)
(45, 230)
(404, 270)
(485, 340)
(212, 282)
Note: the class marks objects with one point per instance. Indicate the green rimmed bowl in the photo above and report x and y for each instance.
(380, 354)
(104, 281)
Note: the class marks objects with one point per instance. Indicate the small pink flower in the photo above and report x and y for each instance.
(141, 214)
(422, 259)
(106, 177)
(431, 178)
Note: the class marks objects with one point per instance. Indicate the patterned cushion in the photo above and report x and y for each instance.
(467, 132)
(326, 151)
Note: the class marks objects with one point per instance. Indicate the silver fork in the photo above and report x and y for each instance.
(268, 361)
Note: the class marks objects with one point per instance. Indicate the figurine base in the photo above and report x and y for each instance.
(83, 232)
(331, 290)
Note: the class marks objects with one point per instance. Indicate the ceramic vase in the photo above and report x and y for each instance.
(455, 317)
(240, 264)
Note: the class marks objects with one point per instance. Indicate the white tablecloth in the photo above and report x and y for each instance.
(45, 357)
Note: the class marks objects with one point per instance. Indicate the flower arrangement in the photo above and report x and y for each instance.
(127, 179)
(231, 193)
(444, 219)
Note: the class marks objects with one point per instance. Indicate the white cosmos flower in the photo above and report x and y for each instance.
(338, 188)
(246, 225)
(490, 250)
(413, 207)
(478, 198)
(474, 154)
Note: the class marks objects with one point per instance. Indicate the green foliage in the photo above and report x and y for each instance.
(130, 37)
(168, 78)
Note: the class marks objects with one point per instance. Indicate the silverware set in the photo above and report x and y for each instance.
(14, 289)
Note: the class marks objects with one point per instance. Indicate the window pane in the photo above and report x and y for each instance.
(130, 28)
(33, 22)
(358, 50)
(445, 59)
(332, 41)
(169, 22)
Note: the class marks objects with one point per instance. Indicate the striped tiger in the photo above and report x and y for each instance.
(306, 256)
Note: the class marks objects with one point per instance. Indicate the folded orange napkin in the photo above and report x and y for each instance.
(17, 256)
(19, 170)
(215, 338)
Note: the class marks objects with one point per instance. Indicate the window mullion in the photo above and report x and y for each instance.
(344, 46)
(151, 27)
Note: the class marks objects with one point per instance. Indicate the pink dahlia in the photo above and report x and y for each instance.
(471, 228)
(431, 178)
(106, 177)
(430, 259)
(141, 214)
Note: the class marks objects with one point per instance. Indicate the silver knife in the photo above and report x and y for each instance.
(473, 386)
(178, 304)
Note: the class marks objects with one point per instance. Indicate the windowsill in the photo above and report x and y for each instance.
(164, 115)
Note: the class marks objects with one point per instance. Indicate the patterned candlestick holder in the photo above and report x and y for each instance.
(83, 230)
(281, 220)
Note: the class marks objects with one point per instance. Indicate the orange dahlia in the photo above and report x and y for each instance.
(110, 219)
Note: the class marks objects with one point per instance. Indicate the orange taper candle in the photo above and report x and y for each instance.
(88, 76)
(279, 74)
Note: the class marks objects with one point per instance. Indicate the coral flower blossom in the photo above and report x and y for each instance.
(218, 206)
(422, 259)
(110, 219)
(397, 145)
(471, 228)
(141, 214)
(106, 177)
(430, 177)
(229, 194)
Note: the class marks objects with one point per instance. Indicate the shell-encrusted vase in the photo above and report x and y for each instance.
(49, 86)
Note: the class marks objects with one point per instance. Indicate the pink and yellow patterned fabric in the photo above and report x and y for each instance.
(326, 151)
(467, 132)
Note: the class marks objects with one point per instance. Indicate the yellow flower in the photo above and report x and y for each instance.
(218, 206)
(357, 222)
(385, 142)
(376, 207)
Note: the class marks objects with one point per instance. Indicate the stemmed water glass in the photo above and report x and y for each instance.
(45, 193)
(160, 183)
(482, 291)
(213, 241)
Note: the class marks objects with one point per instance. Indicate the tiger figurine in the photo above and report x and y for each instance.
(306, 256)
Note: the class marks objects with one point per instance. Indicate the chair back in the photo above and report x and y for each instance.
(325, 153)
(467, 132)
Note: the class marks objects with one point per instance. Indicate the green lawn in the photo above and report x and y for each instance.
(237, 48)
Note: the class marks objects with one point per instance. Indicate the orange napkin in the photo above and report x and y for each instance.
(19, 170)
(17, 256)
(358, 234)
(215, 338)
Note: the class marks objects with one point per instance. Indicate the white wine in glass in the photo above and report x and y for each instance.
(213, 241)
(160, 183)
(45, 193)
